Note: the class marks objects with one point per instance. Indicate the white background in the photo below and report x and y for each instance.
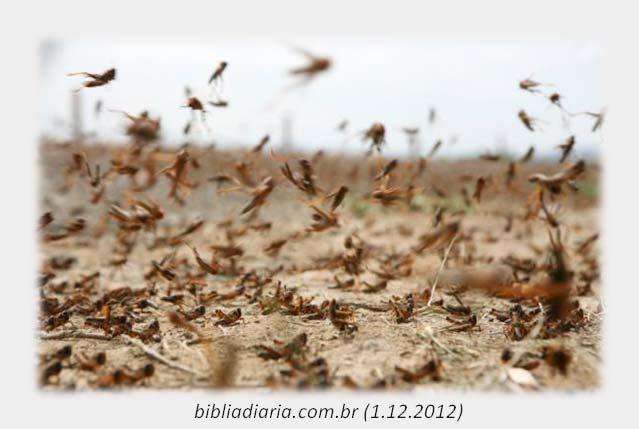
(610, 23)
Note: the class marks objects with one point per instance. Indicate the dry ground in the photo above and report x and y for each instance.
(470, 360)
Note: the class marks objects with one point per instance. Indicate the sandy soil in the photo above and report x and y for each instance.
(469, 359)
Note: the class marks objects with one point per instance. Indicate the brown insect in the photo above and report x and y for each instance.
(376, 133)
(432, 369)
(118, 167)
(520, 265)
(119, 261)
(195, 225)
(534, 203)
(459, 325)
(460, 310)
(402, 309)
(599, 118)
(566, 176)
(306, 183)
(239, 291)
(566, 148)
(479, 186)
(144, 214)
(263, 141)
(58, 355)
(342, 317)
(45, 220)
(193, 314)
(555, 99)
(221, 360)
(434, 149)
(76, 225)
(353, 256)
(291, 351)
(394, 266)
(94, 178)
(550, 218)
(49, 371)
(245, 173)
(149, 332)
(338, 197)
(180, 321)
(273, 248)
(388, 168)
(342, 126)
(587, 243)
(439, 215)
(528, 155)
(229, 319)
(95, 79)
(388, 195)
(528, 121)
(217, 73)
(316, 65)
(529, 85)
(176, 172)
(166, 273)
(124, 377)
(322, 220)
(142, 126)
(343, 284)
(227, 250)
(557, 358)
(92, 363)
(511, 173)
(437, 238)
(219, 103)
(56, 321)
(259, 194)
(194, 103)
(213, 268)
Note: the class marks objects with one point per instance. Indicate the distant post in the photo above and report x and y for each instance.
(77, 132)
(414, 146)
(287, 133)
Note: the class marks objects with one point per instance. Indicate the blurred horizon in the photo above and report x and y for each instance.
(472, 86)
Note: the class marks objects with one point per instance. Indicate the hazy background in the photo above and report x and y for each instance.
(473, 85)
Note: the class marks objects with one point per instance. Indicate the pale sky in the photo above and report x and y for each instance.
(473, 85)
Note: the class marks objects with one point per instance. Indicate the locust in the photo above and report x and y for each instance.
(479, 186)
(434, 149)
(528, 121)
(566, 148)
(95, 79)
(528, 155)
(142, 126)
(176, 172)
(263, 141)
(530, 85)
(555, 181)
(259, 194)
(432, 369)
(316, 65)
(376, 133)
(217, 73)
